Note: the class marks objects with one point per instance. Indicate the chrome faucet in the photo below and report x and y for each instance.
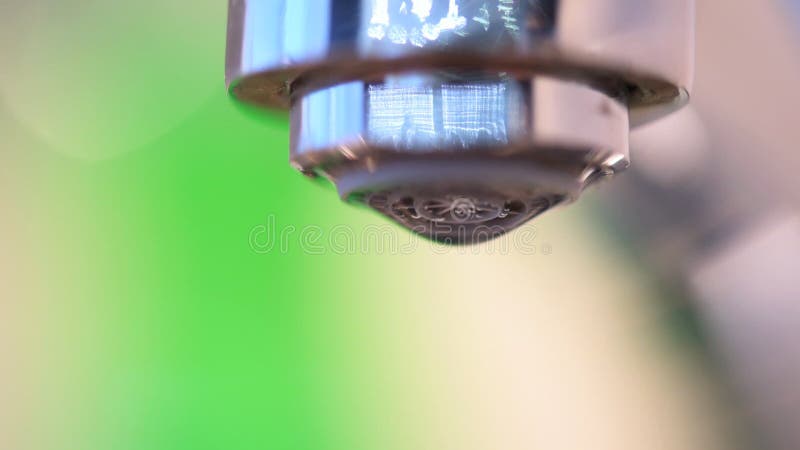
(462, 119)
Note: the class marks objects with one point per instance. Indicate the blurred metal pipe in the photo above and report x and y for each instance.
(720, 214)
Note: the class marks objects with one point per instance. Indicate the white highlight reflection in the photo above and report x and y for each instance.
(416, 115)
(382, 26)
(422, 9)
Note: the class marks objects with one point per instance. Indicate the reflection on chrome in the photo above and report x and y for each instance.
(423, 22)
(341, 121)
(402, 117)
(422, 8)
(413, 112)
(506, 8)
(442, 115)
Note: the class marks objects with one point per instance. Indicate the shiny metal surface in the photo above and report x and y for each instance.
(460, 114)
(645, 46)
(500, 150)
(434, 113)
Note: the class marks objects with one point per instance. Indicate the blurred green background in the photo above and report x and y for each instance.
(136, 313)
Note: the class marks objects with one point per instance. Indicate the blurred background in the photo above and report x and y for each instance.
(157, 290)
